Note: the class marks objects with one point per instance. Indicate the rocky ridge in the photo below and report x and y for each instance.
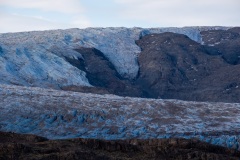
(172, 66)
(16, 146)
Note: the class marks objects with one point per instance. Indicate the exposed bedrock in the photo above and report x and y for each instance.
(17, 146)
(102, 74)
(173, 66)
(225, 43)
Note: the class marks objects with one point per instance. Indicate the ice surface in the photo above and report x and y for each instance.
(60, 114)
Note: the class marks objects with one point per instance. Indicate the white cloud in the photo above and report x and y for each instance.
(24, 15)
(63, 6)
(29, 15)
(19, 23)
(182, 12)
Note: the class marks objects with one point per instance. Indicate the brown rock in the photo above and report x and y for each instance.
(90, 149)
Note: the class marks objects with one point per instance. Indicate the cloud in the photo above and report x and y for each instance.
(19, 23)
(26, 15)
(29, 15)
(63, 6)
(182, 12)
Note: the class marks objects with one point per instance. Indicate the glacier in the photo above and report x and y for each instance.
(63, 114)
(38, 58)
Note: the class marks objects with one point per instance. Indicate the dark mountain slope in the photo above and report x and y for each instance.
(225, 43)
(173, 66)
(102, 75)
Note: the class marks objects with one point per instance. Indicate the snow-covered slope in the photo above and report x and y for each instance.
(60, 114)
(37, 58)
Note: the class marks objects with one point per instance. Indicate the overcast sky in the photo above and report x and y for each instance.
(28, 15)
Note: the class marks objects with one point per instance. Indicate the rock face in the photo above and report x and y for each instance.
(102, 74)
(10, 137)
(26, 147)
(173, 66)
(59, 114)
(225, 43)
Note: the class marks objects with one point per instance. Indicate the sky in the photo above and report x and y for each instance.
(29, 15)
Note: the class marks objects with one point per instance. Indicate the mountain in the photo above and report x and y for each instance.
(164, 63)
(176, 67)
